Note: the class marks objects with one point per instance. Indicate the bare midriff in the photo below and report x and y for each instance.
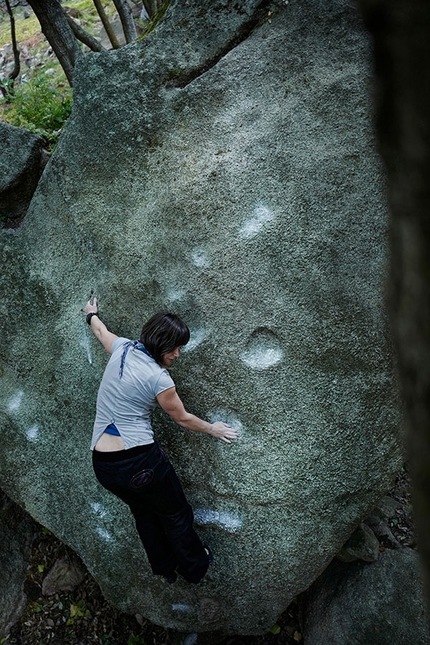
(109, 443)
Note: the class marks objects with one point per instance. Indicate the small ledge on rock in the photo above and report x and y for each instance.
(261, 216)
(228, 521)
(196, 338)
(200, 258)
(263, 350)
(32, 433)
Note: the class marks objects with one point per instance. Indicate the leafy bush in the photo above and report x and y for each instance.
(40, 106)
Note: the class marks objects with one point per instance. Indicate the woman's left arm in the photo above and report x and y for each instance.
(172, 404)
(99, 329)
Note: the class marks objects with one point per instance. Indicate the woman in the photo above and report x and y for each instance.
(126, 459)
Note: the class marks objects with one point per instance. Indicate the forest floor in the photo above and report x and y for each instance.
(84, 617)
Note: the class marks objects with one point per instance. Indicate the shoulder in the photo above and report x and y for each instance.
(163, 381)
(118, 343)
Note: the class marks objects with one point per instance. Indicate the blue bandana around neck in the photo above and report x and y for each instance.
(135, 344)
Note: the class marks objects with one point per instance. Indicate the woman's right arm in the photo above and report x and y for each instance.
(172, 404)
(99, 329)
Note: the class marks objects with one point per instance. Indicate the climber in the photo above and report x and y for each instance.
(126, 459)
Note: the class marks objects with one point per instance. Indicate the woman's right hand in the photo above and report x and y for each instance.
(91, 308)
(223, 431)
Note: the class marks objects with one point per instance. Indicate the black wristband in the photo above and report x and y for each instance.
(90, 315)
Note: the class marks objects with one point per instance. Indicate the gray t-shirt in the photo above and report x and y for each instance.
(126, 398)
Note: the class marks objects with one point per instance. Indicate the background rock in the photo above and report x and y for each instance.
(362, 545)
(20, 169)
(65, 575)
(402, 58)
(380, 603)
(379, 519)
(16, 536)
(226, 170)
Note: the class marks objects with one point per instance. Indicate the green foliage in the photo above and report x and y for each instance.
(77, 611)
(41, 106)
(7, 84)
(106, 640)
(136, 640)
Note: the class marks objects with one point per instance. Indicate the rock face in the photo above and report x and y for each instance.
(362, 545)
(20, 168)
(16, 536)
(223, 168)
(380, 603)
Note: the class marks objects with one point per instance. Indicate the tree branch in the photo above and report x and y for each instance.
(106, 24)
(151, 7)
(14, 73)
(84, 36)
(6, 85)
(127, 21)
(58, 32)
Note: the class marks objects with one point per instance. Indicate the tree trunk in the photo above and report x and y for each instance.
(402, 60)
(84, 36)
(127, 21)
(58, 32)
(16, 68)
(6, 87)
(152, 7)
(106, 24)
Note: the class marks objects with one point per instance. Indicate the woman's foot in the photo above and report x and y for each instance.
(171, 578)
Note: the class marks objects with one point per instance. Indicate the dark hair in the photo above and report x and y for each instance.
(162, 333)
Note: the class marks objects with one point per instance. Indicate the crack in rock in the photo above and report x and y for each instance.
(187, 77)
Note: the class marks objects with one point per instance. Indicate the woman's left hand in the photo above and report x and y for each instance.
(172, 404)
(223, 431)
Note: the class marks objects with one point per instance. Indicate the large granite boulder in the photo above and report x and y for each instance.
(380, 603)
(17, 531)
(21, 164)
(223, 168)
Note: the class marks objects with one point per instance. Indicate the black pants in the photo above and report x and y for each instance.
(144, 478)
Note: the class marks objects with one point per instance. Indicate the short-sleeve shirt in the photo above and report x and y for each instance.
(126, 398)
